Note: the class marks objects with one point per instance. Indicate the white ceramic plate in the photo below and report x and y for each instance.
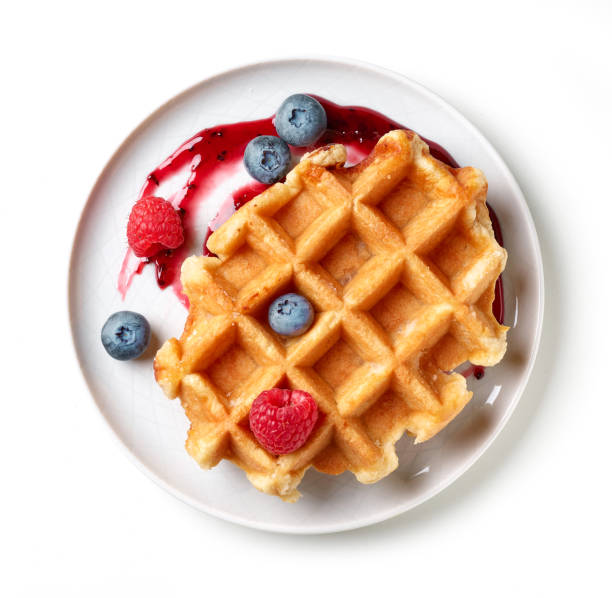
(153, 428)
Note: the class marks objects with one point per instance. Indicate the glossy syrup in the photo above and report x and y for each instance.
(217, 152)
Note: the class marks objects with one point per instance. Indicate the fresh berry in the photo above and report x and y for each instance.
(282, 420)
(267, 158)
(125, 335)
(290, 314)
(154, 225)
(300, 120)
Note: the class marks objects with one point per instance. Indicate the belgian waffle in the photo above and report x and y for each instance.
(397, 256)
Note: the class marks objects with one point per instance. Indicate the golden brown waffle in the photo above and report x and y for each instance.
(397, 256)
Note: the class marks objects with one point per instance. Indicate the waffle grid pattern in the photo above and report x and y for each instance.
(398, 258)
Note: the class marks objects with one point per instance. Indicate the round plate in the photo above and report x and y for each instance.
(153, 428)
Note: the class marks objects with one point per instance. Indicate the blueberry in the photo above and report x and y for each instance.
(290, 315)
(300, 120)
(267, 159)
(125, 335)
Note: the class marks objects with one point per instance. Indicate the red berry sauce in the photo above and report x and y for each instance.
(477, 371)
(214, 156)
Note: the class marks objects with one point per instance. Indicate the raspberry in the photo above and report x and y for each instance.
(154, 225)
(282, 420)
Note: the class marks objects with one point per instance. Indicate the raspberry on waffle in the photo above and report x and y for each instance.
(398, 258)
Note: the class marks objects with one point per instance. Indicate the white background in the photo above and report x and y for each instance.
(531, 518)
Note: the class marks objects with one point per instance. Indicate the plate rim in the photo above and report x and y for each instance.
(447, 481)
